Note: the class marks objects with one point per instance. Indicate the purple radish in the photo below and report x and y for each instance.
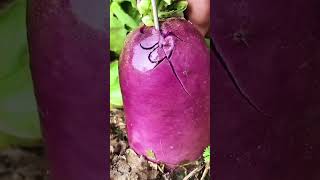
(68, 63)
(165, 82)
(272, 53)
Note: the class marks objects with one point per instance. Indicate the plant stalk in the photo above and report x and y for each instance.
(155, 14)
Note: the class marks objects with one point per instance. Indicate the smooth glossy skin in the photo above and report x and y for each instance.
(275, 61)
(68, 63)
(168, 117)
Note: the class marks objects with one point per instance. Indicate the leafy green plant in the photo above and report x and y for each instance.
(124, 17)
(19, 122)
(115, 92)
(166, 8)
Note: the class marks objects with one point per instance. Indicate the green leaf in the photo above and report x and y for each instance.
(206, 155)
(150, 154)
(208, 42)
(18, 110)
(174, 10)
(147, 20)
(144, 7)
(122, 16)
(13, 36)
(118, 35)
(9, 140)
(123, 19)
(115, 91)
(166, 9)
(134, 3)
(120, 1)
(169, 2)
(132, 11)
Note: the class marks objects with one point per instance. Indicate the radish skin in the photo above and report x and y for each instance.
(165, 82)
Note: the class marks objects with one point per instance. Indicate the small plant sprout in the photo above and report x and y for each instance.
(206, 158)
(206, 155)
(150, 154)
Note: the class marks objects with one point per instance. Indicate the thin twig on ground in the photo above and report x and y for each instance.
(193, 172)
(205, 172)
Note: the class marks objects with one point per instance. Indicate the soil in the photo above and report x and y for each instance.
(19, 163)
(127, 165)
(23, 164)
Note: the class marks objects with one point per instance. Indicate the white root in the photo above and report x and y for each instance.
(192, 173)
(205, 172)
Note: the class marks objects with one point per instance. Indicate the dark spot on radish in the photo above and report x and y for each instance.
(142, 29)
(240, 36)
